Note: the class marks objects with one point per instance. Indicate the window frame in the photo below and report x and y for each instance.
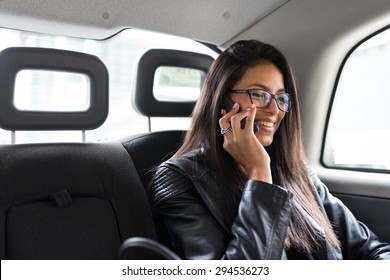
(331, 107)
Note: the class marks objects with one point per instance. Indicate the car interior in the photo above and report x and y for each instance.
(79, 197)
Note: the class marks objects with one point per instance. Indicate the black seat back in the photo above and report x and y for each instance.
(66, 201)
(70, 201)
(149, 149)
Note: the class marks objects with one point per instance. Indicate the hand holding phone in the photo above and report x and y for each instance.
(227, 104)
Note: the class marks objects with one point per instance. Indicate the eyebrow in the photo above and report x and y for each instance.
(264, 88)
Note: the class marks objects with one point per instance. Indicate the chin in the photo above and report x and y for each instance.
(265, 141)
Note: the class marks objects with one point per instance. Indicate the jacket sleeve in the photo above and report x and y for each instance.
(357, 240)
(258, 231)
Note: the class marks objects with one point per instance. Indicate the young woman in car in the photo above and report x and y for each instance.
(235, 191)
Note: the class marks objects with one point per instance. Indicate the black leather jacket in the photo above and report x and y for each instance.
(194, 223)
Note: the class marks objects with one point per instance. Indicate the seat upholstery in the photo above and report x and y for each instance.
(148, 150)
(66, 201)
(70, 201)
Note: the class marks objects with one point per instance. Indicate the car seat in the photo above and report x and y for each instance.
(149, 149)
(68, 200)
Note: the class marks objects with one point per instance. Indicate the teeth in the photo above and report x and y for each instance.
(267, 124)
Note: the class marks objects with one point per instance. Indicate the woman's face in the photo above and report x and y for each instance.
(268, 77)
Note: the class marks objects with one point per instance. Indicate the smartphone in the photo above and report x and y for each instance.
(227, 104)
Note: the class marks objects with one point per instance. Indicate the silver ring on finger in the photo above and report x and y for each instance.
(226, 130)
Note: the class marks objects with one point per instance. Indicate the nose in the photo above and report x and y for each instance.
(272, 108)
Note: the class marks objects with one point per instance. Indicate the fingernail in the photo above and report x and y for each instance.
(235, 105)
(250, 108)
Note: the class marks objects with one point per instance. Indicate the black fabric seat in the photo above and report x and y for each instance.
(149, 149)
(70, 201)
(73, 200)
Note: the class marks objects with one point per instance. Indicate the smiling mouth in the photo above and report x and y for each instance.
(266, 124)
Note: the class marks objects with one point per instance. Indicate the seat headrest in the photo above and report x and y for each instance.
(144, 100)
(15, 59)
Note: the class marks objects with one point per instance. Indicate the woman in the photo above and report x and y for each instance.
(236, 191)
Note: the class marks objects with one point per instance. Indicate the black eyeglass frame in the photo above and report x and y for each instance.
(271, 97)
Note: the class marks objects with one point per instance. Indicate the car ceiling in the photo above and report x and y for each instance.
(217, 22)
(289, 23)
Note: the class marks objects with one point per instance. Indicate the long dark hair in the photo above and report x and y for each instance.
(288, 160)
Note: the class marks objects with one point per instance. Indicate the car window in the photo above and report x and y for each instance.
(34, 91)
(120, 53)
(358, 133)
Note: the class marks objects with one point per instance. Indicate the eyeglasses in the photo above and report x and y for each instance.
(262, 98)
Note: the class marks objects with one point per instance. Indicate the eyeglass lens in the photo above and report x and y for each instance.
(262, 99)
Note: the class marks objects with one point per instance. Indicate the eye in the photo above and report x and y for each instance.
(282, 98)
(258, 95)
